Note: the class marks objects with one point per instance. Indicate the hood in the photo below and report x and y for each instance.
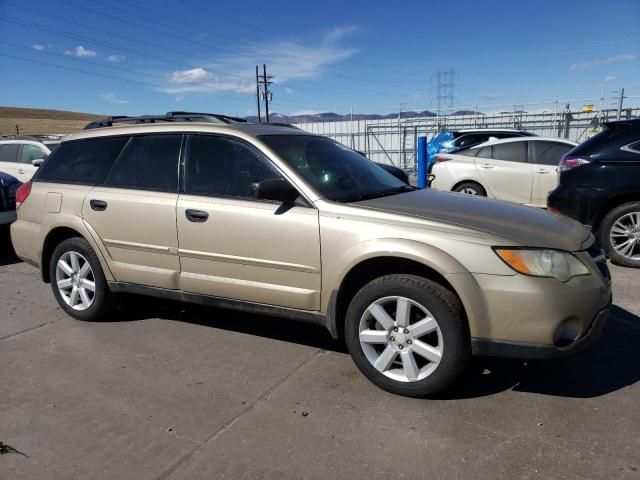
(528, 226)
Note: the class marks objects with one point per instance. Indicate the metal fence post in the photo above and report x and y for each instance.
(422, 160)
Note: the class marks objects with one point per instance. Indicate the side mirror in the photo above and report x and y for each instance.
(37, 162)
(277, 189)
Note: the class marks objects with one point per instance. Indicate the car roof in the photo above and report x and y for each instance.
(20, 141)
(500, 141)
(238, 129)
(496, 130)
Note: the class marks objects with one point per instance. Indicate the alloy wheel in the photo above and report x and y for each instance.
(469, 191)
(75, 280)
(625, 236)
(401, 339)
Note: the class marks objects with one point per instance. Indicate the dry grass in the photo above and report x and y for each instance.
(36, 121)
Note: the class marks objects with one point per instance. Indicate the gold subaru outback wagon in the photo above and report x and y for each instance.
(271, 219)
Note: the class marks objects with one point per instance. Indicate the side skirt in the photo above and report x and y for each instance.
(306, 316)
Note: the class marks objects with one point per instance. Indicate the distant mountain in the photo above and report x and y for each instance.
(336, 117)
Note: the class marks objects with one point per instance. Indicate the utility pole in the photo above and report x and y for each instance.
(263, 81)
(445, 89)
(619, 114)
(258, 93)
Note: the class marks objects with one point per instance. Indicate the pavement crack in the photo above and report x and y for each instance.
(263, 398)
(32, 328)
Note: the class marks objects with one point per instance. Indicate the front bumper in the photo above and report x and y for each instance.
(530, 351)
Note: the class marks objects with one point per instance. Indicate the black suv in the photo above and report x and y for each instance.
(600, 186)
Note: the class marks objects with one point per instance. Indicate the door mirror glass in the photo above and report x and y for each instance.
(277, 189)
(37, 162)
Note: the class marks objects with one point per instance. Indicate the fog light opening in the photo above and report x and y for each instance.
(567, 332)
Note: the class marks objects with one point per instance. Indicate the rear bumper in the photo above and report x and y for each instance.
(498, 348)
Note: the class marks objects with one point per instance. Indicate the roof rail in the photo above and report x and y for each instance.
(167, 117)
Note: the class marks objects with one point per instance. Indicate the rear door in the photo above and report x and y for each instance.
(9, 157)
(504, 169)
(545, 158)
(28, 153)
(134, 211)
(235, 246)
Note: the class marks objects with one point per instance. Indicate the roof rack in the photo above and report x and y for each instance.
(167, 117)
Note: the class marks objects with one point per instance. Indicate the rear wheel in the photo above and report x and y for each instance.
(407, 335)
(471, 188)
(78, 281)
(620, 234)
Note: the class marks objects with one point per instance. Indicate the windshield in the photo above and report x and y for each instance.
(336, 171)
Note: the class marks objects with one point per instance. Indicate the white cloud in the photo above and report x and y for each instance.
(625, 57)
(38, 47)
(116, 58)
(287, 60)
(179, 98)
(112, 98)
(288, 91)
(609, 79)
(80, 51)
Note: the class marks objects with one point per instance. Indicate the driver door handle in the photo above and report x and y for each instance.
(486, 166)
(196, 216)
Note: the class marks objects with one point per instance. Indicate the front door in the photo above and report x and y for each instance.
(234, 246)
(134, 212)
(505, 171)
(545, 158)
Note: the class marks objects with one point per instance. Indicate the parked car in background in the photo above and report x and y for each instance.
(8, 187)
(20, 157)
(470, 137)
(600, 187)
(414, 280)
(520, 170)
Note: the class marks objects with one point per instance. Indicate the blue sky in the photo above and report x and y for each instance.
(151, 56)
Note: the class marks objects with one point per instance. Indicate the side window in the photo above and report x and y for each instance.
(511, 152)
(31, 153)
(223, 167)
(633, 148)
(81, 161)
(471, 139)
(9, 152)
(550, 153)
(485, 152)
(148, 162)
(468, 152)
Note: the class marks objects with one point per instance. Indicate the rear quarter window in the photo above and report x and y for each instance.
(84, 162)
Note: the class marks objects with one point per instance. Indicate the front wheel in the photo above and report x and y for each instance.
(620, 234)
(407, 335)
(78, 281)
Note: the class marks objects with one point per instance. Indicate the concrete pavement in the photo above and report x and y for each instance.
(173, 391)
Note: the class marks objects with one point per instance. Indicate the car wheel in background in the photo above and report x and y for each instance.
(620, 234)
(78, 281)
(407, 335)
(471, 188)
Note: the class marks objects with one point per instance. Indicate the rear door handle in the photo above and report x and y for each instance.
(98, 205)
(543, 171)
(486, 166)
(196, 216)
(20, 170)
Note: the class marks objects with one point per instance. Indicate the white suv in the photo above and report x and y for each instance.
(520, 170)
(20, 157)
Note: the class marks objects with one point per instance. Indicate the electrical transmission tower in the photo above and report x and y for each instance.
(262, 90)
(445, 89)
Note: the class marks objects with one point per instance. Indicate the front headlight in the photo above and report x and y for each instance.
(543, 263)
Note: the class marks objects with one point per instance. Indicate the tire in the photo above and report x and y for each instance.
(76, 252)
(471, 188)
(420, 377)
(619, 227)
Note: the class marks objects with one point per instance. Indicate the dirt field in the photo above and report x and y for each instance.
(35, 121)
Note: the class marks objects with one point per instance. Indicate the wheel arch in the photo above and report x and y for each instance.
(435, 267)
(612, 203)
(460, 182)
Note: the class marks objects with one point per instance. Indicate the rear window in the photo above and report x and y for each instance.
(84, 162)
(148, 162)
(608, 143)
